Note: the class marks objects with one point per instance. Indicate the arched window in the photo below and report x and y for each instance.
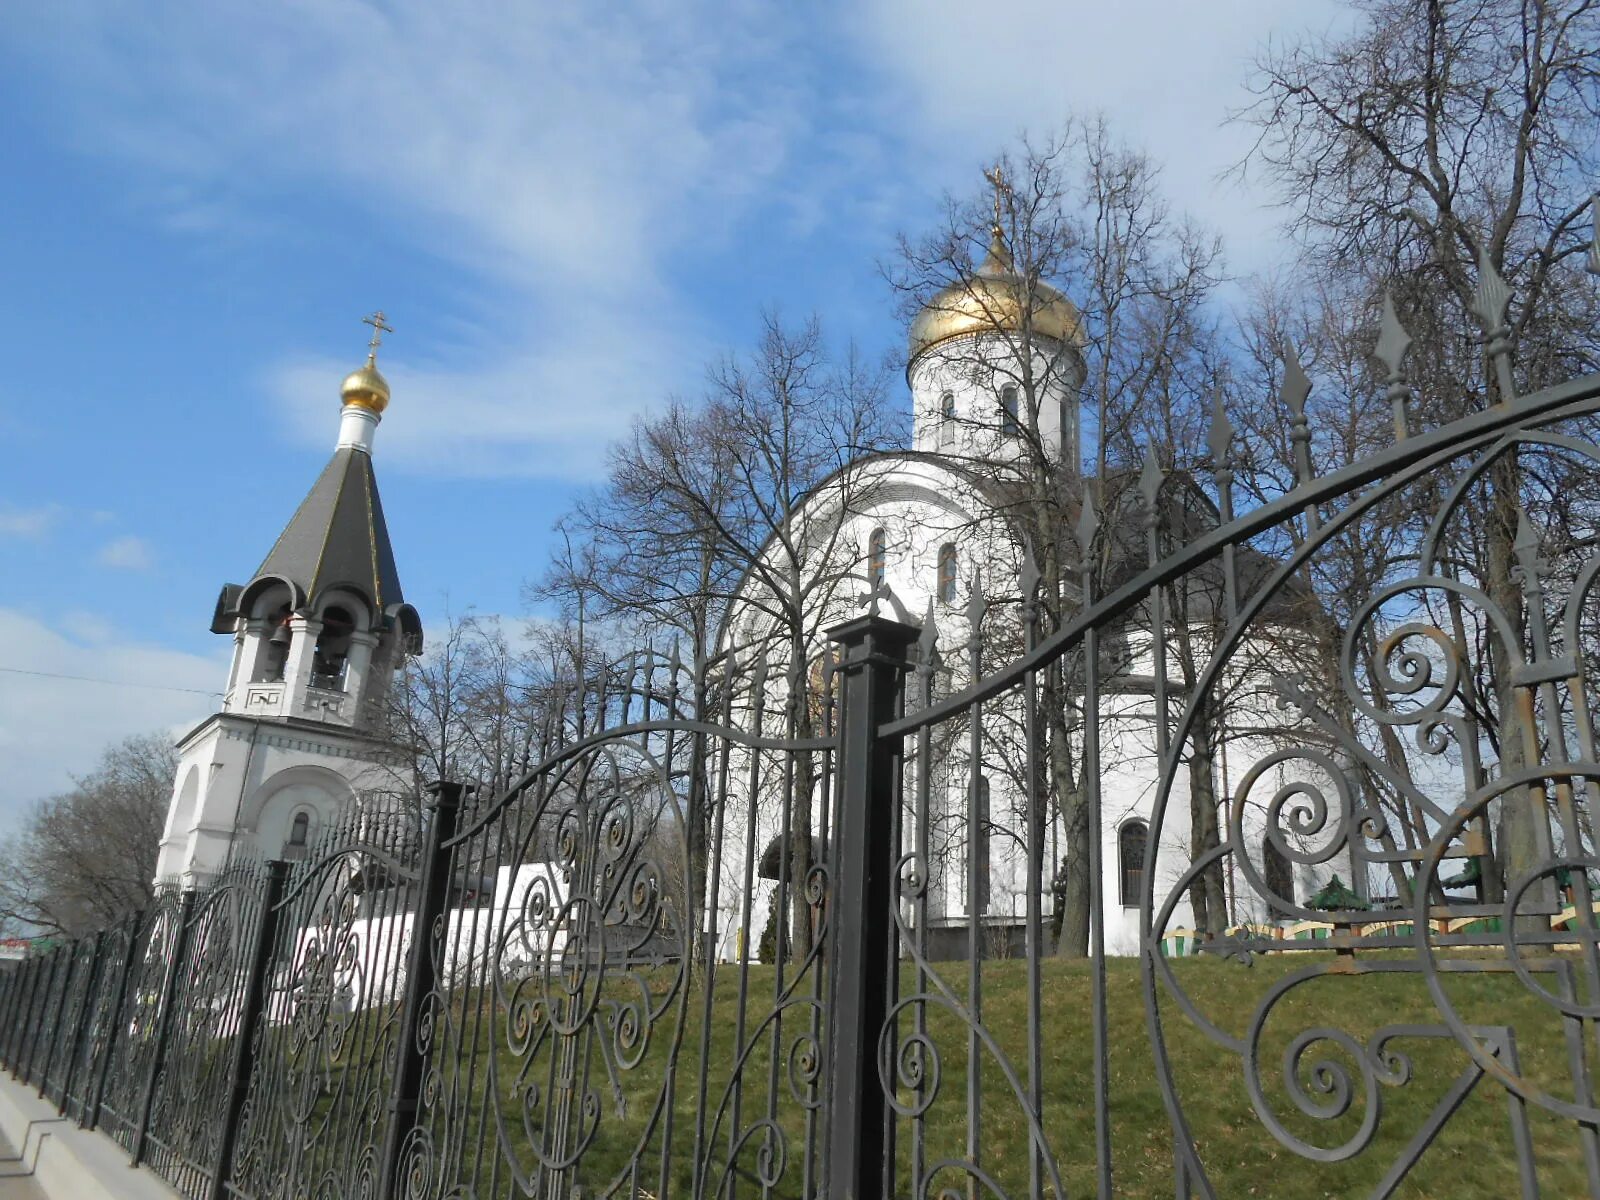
(947, 573)
(877, 557)
(1009, 425)
(947, 413)
(299, 829)
(1131, 839)
(333, 647)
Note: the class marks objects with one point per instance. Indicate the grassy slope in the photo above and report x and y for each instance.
(1472, 1156)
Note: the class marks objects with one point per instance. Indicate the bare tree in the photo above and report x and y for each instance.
(701, 528)
(84, 859)
(1140, 357)
(1433, 147)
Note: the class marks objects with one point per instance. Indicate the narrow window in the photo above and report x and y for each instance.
(1131, 841)
(877, 557)
(947, 573)
(299, 828)
(1009, 424)
(947, 414)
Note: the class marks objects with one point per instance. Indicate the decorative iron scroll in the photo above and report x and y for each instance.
(194, 1079)
(1459, 727)
(583, 1038)
(317, 1112)
(133, 1061)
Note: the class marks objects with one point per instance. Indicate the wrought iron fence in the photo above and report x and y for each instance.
(558, 988)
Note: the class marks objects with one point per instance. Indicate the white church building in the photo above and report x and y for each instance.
(927, 525)
(318, 633)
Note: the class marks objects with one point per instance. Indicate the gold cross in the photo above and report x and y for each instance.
(378, 330)
(996, 176)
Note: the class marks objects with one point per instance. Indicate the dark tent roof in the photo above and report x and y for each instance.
(337, 537)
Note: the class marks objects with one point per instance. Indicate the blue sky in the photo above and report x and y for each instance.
(566, 211)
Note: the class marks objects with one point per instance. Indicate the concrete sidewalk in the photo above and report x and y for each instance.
(16, 1175)
(43, 1155)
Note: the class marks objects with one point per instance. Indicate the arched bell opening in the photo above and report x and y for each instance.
(331, 656)
(276, 639)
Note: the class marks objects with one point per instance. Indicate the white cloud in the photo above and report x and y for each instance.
(1166, 75)
(126, 553)
(564, 152)
(52, 729)
(549, 414)
(29, 522)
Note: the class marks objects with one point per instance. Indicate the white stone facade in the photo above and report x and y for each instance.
(925, 520)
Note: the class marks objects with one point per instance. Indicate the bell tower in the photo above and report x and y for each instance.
(995, 360)
(318, 633)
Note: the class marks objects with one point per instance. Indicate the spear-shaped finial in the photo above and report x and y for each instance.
(1150, 477)
(1492, 297)
(1219, 440)
(1393, 343)
(1296, 386)
(977, 605)
(1526, 545)
(1088, 522)
(1294, 393)
(1028, 573)
(1491, 302)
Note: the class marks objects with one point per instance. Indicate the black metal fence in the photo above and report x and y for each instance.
(557, 989)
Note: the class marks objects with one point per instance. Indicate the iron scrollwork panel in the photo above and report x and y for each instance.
(318, 1108)
(596, 1028)
(132, 1042)
(1451, 761)
(195, 1077)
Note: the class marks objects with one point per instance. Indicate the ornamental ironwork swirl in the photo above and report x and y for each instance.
(133, 1049)
(195, 1077)
(1457, 736)
(318, 1110)
(562, 1000)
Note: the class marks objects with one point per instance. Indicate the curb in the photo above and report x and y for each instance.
(69, 1162)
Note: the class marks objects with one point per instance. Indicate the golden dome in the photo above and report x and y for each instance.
(366, 387)
(992, 300)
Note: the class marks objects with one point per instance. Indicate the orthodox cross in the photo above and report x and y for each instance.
(378, 330)
(996, 176)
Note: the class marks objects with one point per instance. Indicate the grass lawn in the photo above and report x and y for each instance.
(1472, 1156)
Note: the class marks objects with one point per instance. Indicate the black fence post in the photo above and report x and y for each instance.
(873, 665)
(244, 1053)
(21, 979)
(76, 1048)
(422, 969)
(19, 1046)
(90, 1116)
(169, 986)
(69, 954)
(40, 1004)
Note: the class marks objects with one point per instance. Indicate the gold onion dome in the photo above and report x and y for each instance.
(366, 387)
(993, 301)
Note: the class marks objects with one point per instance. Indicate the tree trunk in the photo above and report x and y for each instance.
(1207, 897)
(1073, 892)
